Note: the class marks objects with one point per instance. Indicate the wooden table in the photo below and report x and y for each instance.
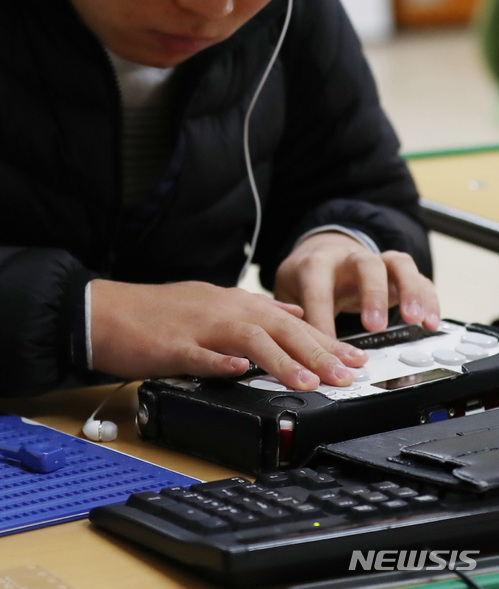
(77, 554)
(460, 192)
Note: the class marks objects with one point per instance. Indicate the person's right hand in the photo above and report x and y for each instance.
(145, 331)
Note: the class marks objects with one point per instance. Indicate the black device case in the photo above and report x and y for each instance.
(460, 453)
(241, 427)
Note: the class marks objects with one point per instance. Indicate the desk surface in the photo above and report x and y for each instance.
(460, 194)
(78, 555)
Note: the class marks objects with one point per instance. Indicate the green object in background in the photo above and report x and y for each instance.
(489, 23)
(482, 581)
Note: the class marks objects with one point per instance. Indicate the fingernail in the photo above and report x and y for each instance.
(307, 377)
(342, 373)
(239, 364)
(356, 353)
(434, 319)
(375, 318)
(414, 309)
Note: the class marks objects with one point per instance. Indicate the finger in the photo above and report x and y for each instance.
(350, 355)
(373, 288)
(430, 303)
(425, 308)
(198, 361)
(432, 315)
(418, 301)
(402, 272)
(290, 308)
(317, 298)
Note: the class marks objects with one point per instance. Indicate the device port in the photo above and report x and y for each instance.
(439, 414)
(474, 406)
(286, 441)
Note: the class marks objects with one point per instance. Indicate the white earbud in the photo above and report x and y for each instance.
(100, 431)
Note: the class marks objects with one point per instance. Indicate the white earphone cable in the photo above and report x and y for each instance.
(247, 154)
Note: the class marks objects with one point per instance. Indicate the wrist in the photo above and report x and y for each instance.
(353, 234)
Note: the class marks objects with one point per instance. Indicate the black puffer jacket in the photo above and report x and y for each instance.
(322, 152)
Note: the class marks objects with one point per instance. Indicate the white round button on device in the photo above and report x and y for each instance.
(472, 351)
(416, 358)
(339, 396)
(267, 384)
(325, 388)
(376, 354)
(449, 357)
(480, 339)
(361, 375)
(329, 389)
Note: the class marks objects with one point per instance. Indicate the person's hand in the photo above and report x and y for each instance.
(195, 328)
(330, 273)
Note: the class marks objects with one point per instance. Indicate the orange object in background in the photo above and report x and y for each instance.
(433, 12)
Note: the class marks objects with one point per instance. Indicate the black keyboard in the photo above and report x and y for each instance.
(299, 524)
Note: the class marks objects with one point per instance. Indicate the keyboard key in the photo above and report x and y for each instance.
(288, 501)
(223, 494)
(224, 488)
(339, 505)
(360, 511)
(311, 479)
(323, 495)
(274, 479)
(150, 502)
(267, 511)
(253, 489)
(213, 525)
(354, 490)
(424, 500)
(393, 505)
(304, 510)
(191, 517)
(402, 492)
(326, 469)
(202, 501)
(238, 518)
(384, 486)
(221, 484)
(373, 497)
(176, 492)
(178, 513)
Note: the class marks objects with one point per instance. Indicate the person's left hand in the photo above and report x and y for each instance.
(329, 273)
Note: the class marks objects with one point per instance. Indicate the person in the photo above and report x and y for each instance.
(127, 206)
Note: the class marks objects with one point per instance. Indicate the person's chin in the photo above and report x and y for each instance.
(175, 49)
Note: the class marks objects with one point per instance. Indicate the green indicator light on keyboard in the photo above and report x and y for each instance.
(317, 524)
